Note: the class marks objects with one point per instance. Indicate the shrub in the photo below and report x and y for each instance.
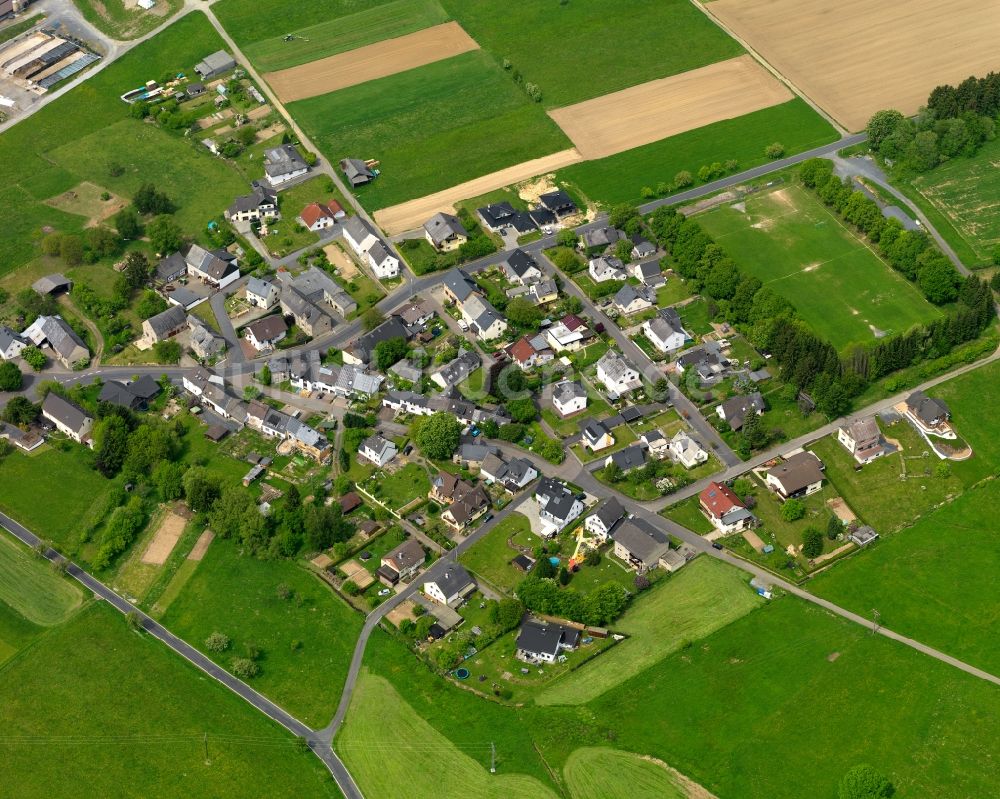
(793, 510)
(812, 542)
(774, 151)
(350, 588)
(244, 668)
(217, 642)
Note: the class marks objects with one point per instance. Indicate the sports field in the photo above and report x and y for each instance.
(124, 716)
(841, 288)
(701, 598)
(651, 111)
(339, 34)
(430, 127)
(967, 192)
(29, 586)
(935, 582)
(840, 57)
(306, 638)
(373, 61)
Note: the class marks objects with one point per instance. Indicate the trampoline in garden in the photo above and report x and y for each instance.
(554, 561)
(462, 674)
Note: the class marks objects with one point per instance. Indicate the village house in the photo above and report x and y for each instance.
(606, 267)
(656, 443)
(557, 506)
(513, 475)
(601, 237)
(134, 395)
(468, 504)
(12, 344)
(309, 317)
(264, 333)
(595, 436)
(735, 410)
(457, 370)
(259, 205)
(617, 374)
(569, 334)
(378, 450)
(648, 273)
(362, 238)
(558, 203)
(603, 520)
(541, 642)
(641, 548)
(863, 439)
(642, 248)
(929, 415)
(471, 454)
(724, 509)
(401, 563)
(797, 476)
(631, 457)
(415, 314)
(569, 397)
(707, 362)
(171, 268)
(543, 292)
(452, 588)
(204, 343)
(665, 331)
(483, 319)
(458, 286)
(631, 299)
(217, 268)
(68, 418)
(530, 351)
(445, 232)
(283, 164)
(686, 451)
(261, 293)
(521, 268)
(497, 216)
(321, 216)
(56, 334)
(52, 285)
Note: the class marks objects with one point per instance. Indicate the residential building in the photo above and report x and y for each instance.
(521, 268)
(541, 642)
(369, 246)
(666, 334)
(471, 454)
(405, 370)
(321, 216)
(648, 273)
(724, 509)
(309, 317)
(631, 457)
(163, 326)
(595, 436)
(631, 299)
(445, 232)
(216, 268)
(569, 334)
(401, 563)
(530, 351)
(25, 440)
(261, 293)
(707, 362)
(378, 450)
(357, 172)
(415, 314)
(204, 343)
(196, 382)
(928, 414)
(606, 267)
(686, 451)
(458, 286)
(283, 164)
(171, 268)
(603, 520)
(617, 374)
(497, 216)
(513, 475)
(797, 476)
(656, 443)
(543, 292)
(317, 287)
(11, 344)
(601, 237)
(557, 506)
(451, 588)
(55, 333)
(259, 205)
(558, 203)
(642, 548)
(68, 418)
(454, 372)
(468, 503)
(863, 536)
(383, 263)
(264, 333)
(642, 248)
(863, 439)
(569, 397)
(735, 410)
(134, 395)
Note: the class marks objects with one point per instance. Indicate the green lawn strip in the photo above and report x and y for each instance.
(876, 493)
(16, 632)
(935, 581)
(675, 290)
(30, 586)
(622, 177)
(342, 33)
(602, 773)
(734, 710)
(247, 25)
(695, 317)
(306, 639)
(126, 21)
(430, 127)
(490, 557)
(704, 596)
(688, 514)
(126, 711)
(401, 487)
(652, 39)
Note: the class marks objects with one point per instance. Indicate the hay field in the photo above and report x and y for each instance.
(371, 62)
(855, 57)
(654, 110)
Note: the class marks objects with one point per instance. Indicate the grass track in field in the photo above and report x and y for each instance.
(597, 773)
(697, 601)
(792, 243)
(127, 717)
(29, 586)
(431, 127)
(340, 34)
(16, 632)
(394, 753)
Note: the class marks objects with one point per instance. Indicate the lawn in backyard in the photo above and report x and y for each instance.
(124, 20)
(338, 34)
(31, 176)
(688, 514)
(935, 582)
(622, 177)
(642, 40)
(29, 586)
(430, 127)
(490, 557)
(400, 487)
(126, 711)
(791, 242)
(685, 607)
(306, 634)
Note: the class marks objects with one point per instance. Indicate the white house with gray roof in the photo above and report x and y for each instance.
(217, 269)
(606, 267)
(632, 299)
(569, 397)
(283, 164)
(454, 372)
(378, 450)
(55, 333)
(603, 520)
(11, 344)
(452, 587)
(259, 204)
(445, 232)
(557, 506)
(617, 374)
(366, 243)
(664, 334)
(262, 293)
(68, 418)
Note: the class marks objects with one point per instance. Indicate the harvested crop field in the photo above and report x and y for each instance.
(373, 61)
(651, 111)
(855, 57)
(201, 546)
(166, 538)
(412, 214)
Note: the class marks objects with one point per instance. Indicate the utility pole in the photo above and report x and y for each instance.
(493, 758)
(875, 617)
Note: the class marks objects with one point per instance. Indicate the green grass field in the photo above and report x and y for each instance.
(31, 176)
(238, 596)
(698, 600)
(966, 192)
(637, 42)
(8, 32)
(127, 717)
(126, 21)
(601, 773)
(620, 178)
(789, 240)
(490, 557)
(403, 486)
(342, 33)
(247, 25)
(935, 582)
(29, 479)
(431, 127)
(30, 587)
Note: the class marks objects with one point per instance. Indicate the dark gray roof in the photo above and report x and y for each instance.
(568, 390)
(735, 409)
(611, 511)
(797, 472)
(927, 409)
(539, 638)
(268, 327)
(457, 370)
(379, 252)
(645, 544)
(283, 160)
(68, 413)
(454, 580)
(8, 337)
(170, 267)
(145, 387)
(631, 457)
(163, 323)
(458, 282)
(364, 346)
(442, 227)
(519, 262)
(356, 170)
(52, 283)
(118, 393)
(557, 201)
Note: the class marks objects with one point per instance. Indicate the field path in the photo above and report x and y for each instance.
(412, 214)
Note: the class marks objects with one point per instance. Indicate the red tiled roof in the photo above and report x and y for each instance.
(572, 321)
(521, 350)
(313, 212)
(718, 499)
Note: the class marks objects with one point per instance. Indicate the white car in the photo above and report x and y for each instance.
(463, 325)
(384, 592)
